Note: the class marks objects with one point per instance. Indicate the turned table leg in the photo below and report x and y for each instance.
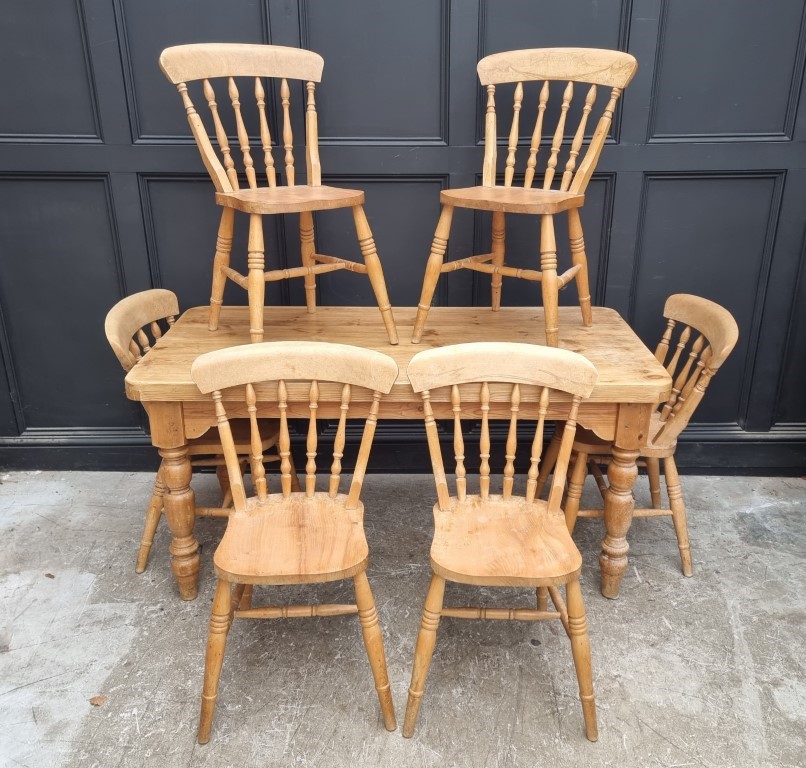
(631, 431)
(179, 501)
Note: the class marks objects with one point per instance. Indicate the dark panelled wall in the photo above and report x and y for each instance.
(102, 192)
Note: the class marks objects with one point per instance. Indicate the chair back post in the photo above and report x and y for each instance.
(299, 370)
(592, 66)
(183, 64)
(126, 323)
(694, 359)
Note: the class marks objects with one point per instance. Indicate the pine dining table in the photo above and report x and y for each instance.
(631, 383)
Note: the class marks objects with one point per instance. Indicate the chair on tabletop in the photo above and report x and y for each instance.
(184, 64)
(559, 193)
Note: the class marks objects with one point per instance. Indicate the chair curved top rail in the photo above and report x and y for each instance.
(197, 61)
(502, 362)
(710, 319)
(586, 65)
(294, 360)
(131, 314)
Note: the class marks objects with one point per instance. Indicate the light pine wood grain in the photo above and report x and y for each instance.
(502, 539)
(564, 185)
(128, 326)
(210, 61)
(698, 338)
(288, 536)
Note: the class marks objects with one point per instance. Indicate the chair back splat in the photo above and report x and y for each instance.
(184, 64)
(588, 66)
(706, 334)
(509, 380)
(288, 373)
(130, 322)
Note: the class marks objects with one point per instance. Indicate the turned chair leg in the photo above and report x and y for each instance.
(426, 639)
(549, 459)
(498, 249)
(653, 473)
(549, 284)
(678, 513)
(433, 270)
(581, 651)
(153, 514)
(223, 248)
(374, 271)
(373, 641)
(542, 598)
(256, 280)
(577, 243)
(576, 484)
(307, 250)
(216, 644)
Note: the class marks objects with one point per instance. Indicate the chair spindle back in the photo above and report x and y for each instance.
(132, 326)
(527, 381)
(207, 61)
(706, 333)
(592, 66)
(294, 372)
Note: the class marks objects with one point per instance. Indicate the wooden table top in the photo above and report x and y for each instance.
(628, 371)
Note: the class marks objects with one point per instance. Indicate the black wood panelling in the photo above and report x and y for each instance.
(700, 189)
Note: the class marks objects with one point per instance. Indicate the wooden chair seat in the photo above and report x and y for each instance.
(270, 200)
(512, 199)
(294, 540)
(498, 542)
(210, 442)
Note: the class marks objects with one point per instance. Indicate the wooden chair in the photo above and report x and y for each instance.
(502, 539)
(613, 69)
(288, 537)
(706, 334)
(127, 327)
(185, 63)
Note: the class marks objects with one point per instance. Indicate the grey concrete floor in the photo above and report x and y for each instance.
(707, 671)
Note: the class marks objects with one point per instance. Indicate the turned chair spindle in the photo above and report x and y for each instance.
(593, 67)
(293, 536)
(502, 539)
(209, 61)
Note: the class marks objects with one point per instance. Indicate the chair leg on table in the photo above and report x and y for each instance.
(374, 271)
(581, 651)
(426, 639)
(577, 243)
(678, 513)
(575, 485)
(550, 458)
(307, 250)
(223, 248)
(216, 644)
(433, 270)
(256, 279)
(549, 284)
(653, 472)
(373, 640)
(498, 250)
(153, 514)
